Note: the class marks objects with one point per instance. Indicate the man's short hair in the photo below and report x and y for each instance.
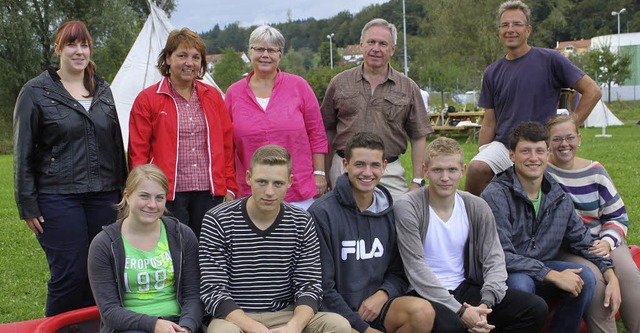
(271, 155)
(382, 23)
(443, 146)
(530, 131)
(515, 4)
(363, 140)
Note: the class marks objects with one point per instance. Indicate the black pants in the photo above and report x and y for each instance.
(190, 207)
(519, 311)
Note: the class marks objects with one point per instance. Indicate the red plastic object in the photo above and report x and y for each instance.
(85, 317)
(53, 324)
(635, 254)
(21, 326)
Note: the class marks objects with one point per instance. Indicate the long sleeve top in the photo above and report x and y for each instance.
(292, 120)
(244, 267)
(596, 200)
(106, 274)
(484, 259)
(529, 240)
(359, 252)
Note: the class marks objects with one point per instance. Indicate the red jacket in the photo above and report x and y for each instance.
(153, 135)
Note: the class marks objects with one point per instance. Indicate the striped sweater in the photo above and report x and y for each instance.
(243, 267)
(596, 200)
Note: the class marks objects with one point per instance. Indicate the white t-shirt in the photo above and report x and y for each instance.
(425, 99)
(445, 243)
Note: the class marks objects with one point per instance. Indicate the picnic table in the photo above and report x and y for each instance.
(468, 122)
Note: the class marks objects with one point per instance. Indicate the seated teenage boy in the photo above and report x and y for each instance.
(362, 274)
(535, 218)
(260, 258)
(452, 255)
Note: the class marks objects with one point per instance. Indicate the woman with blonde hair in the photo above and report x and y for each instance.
(144, 268)
(69, 163)
(600, 206)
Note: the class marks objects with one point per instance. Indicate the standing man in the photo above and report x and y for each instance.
(452, 254)
(376, 98)
(260, 258)
(362, 273)
(524, 85)
(535, 219)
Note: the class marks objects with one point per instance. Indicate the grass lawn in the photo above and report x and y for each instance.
(24, 271)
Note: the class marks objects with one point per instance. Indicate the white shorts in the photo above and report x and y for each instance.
(496, 155)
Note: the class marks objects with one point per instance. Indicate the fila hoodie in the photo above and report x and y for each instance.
(359, 250)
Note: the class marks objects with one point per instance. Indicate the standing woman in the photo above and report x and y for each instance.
(599, 205)
(69, 163)
(274, 107)
(182, 126)
(144, 268)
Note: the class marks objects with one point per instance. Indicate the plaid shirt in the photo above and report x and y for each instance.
(193, 161)
(395, 111)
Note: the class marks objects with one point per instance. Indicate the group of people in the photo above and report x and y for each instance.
(266, 211)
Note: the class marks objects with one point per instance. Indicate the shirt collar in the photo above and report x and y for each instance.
(392, 74)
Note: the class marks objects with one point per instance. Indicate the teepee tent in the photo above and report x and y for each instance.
(139, 68)
(601, 116)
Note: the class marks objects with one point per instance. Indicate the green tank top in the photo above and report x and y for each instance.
(149, 279)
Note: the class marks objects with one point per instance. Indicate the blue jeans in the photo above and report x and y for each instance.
(70, 223)
(568, 312)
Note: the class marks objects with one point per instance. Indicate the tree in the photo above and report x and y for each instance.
(324, 51)
(26, 38)
(229, 69)
(319, 78)
(607, 67)
(443, 58)
(293, 62)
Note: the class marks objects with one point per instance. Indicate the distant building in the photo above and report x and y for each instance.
(629, 43)
(573, 47)
(352, 55)
(212, 59)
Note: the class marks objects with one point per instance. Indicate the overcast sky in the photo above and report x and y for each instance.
(202, 15)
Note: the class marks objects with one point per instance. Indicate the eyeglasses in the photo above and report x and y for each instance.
(569, 138)
(515, 25)
(269, 50)
(381, 44)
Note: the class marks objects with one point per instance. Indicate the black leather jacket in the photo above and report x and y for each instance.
(59, 147)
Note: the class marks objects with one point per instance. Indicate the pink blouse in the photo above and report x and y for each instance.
(292, 120)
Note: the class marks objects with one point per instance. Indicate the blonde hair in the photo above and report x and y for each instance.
(443, 146)
(562, 118)
(136, 176)
(271, 155)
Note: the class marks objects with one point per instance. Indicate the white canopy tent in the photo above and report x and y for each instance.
(139, 70)
(601, 116)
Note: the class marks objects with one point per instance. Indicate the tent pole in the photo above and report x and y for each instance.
(604, 126)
